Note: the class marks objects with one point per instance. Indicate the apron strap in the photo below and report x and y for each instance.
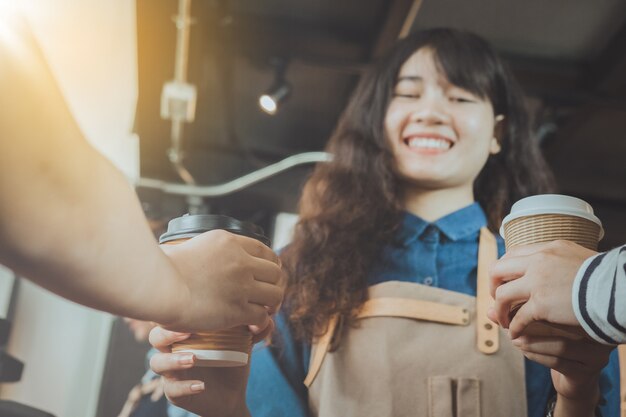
(487, 334)
(621, 350)
(414, 309)
(389, 307)
(319, 351)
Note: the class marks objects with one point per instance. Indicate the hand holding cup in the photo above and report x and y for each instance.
(197, 389)
(547, 238)
(238, 279)
(536, 278)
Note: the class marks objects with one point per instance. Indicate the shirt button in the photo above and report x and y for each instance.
(428, 281)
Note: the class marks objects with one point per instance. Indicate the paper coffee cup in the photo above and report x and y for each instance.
(224, 348)
(548, 217)
(545, 218)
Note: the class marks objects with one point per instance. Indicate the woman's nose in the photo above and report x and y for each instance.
(429, 116)
(429, 111)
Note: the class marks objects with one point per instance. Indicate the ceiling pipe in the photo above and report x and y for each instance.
(237, 184)
(407, 25)
(178, 99)
(401, 15)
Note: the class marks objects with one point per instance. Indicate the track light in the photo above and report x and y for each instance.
(278, 92)
(270, 101)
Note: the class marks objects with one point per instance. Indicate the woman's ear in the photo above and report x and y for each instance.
(494, 147)
(498, 132)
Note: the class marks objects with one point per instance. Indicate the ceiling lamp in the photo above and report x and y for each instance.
(280, 90)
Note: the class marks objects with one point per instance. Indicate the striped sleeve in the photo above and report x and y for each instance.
(599, 296)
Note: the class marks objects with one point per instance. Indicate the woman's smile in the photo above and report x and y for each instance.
(428, 143)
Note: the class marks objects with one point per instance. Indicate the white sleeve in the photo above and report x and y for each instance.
(599, 296)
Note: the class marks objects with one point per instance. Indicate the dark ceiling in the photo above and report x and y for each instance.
(569, 55)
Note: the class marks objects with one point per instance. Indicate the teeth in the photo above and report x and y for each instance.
(429, 143)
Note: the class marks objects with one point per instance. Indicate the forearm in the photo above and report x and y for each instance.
(599, 284)
(92, 246)
(242, 411)
(68, 219)
(584, 407)
(582, 401)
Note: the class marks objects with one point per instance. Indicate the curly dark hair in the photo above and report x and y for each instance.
(351, 208)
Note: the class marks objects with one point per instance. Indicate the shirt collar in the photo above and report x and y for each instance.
(462, 223)
(457, 225)
(412, 228)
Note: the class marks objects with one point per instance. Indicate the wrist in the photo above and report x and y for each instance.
(164, 292)
(173, 295)
(242, 411)
(585, 406)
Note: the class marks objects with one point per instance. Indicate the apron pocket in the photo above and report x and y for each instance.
(440, 397)
(453, 397)
(468, 397)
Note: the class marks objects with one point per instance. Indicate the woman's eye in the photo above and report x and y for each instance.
(406, 95)
(462, 100)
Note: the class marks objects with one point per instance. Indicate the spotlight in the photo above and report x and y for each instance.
(279, 91)
(270, 101)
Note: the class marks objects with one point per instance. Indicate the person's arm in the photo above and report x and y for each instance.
(70, 222)
(597, 294)
(564, 284)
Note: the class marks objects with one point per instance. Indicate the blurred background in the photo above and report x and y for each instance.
(170, 91)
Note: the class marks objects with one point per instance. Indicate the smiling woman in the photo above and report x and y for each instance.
(434, 147)
(437, 125)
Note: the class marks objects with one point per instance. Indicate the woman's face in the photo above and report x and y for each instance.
(440, 134)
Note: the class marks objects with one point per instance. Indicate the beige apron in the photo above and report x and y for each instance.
(420, 351)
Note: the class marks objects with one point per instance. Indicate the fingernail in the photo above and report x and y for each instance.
(516, 342)
(187, 359)
(197, 387)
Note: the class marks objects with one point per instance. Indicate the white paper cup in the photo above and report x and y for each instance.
(548, 217)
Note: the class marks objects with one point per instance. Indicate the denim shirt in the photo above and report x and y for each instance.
(442, 254)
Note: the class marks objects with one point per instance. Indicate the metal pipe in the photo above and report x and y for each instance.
(175, 153)
(238, 183)
(410, 19)
(183, 23)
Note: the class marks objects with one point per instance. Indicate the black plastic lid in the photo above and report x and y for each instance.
(189, 226)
